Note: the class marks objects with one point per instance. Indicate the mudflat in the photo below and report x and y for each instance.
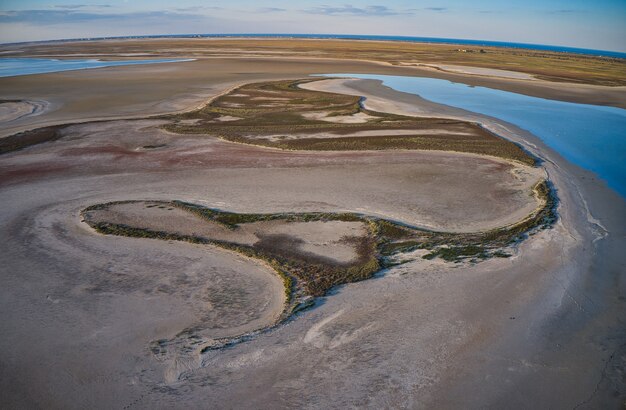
(100, 320)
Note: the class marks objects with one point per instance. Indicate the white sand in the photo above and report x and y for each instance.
(480, 71)
(13, 110)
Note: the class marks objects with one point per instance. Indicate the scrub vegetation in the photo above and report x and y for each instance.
(543, 64)
(547, 65)
(306, 275)
(25, 139)
(282, 115)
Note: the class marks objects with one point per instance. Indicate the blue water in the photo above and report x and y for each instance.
(591, 136)
(10, 67)
(460, 41)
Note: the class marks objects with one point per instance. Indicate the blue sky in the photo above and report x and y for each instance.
(599, 24)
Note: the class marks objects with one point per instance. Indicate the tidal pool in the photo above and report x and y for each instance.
(10, 67)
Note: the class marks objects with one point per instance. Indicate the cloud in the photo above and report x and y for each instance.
(348, 9)
(80, 6)
(197, 8)
(269, 10)
(421, 10)
(34, 25)
(65, 16)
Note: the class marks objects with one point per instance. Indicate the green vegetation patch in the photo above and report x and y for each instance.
(258, 113)
(26, 139)
(307, 275)
(549, 65)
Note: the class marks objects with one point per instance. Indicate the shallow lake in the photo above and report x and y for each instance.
(10, 67)
(591, 136)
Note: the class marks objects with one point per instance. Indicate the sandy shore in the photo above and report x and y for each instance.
(484, 72)
(137, 91)
(543, 329)
(591, 230)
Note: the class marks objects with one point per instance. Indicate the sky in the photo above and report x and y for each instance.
(596, 24)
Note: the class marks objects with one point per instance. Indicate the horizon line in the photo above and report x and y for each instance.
(379, 37)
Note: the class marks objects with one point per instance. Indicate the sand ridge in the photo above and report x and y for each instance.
(480, 71)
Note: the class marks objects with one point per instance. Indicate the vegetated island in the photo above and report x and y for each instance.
(361, 245)
(280, 114)
(295, 245)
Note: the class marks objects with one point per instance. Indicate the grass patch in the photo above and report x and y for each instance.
(484, 245)
(306, 275)
(391, 248)
(549, 65)
(270, 109)
(458, 253)
(26, 139)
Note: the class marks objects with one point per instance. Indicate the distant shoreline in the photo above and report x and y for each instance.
(410, 39)
(163, 92)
